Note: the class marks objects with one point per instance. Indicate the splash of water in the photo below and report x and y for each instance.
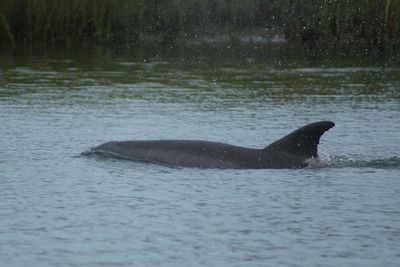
(354, 161)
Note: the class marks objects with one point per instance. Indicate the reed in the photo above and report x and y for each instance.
(369, 23)
(352, 23)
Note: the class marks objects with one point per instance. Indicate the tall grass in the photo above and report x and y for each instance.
(353, 23)
(368, 23)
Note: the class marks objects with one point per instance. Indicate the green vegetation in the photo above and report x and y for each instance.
(130, 23)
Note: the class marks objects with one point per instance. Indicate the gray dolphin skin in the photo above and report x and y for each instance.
(291, 151)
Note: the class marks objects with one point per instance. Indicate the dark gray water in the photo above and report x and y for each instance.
(58, 208)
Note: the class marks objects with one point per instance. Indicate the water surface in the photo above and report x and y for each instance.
(58, 208)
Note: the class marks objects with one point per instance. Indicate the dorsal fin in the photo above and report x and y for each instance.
(304, 141)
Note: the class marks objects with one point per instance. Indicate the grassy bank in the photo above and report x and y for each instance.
(130, 23)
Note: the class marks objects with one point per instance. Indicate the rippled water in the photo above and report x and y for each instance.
(58, 208)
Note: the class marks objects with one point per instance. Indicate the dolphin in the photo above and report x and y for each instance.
(291, 151)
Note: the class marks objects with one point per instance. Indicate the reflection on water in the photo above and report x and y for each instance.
(59, 208)
(169, 80)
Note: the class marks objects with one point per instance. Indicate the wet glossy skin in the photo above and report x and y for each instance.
(289, 152)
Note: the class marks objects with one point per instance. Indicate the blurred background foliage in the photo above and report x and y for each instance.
(367, 24)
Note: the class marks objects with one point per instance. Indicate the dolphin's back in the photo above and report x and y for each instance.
(185, 153)
(290, 151)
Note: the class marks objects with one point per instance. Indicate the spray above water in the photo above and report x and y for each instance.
(354, 161)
